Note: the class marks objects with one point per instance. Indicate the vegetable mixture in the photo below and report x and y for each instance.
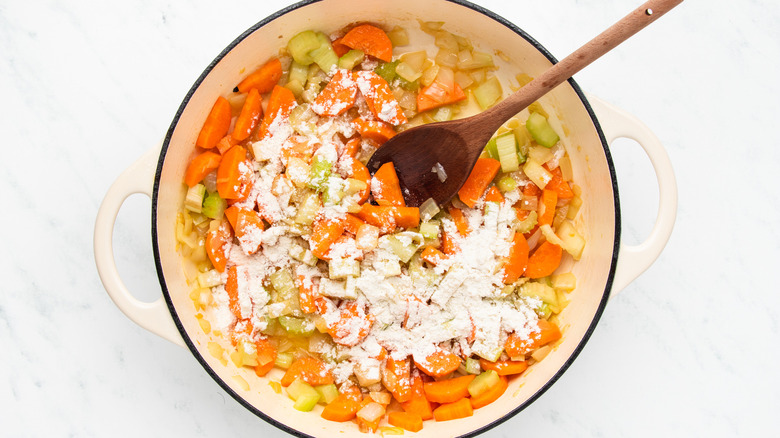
(304, 263)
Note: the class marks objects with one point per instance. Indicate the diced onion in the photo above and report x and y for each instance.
(429, 209)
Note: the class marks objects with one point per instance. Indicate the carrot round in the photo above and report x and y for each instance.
(230, 176)
(265, 352)
(547, 207)
(438, 94)
(343, 408)
(397, 378)
(250, 115)
(418, 403)
(516, 346)
(351, 148)
(438, 364)
(231, 287)
(353, 223)
(216, 125)
(518, 259)
(559, 185)
(452, 411)
(432, 255)
(448, 245)
(325, 231)
(280, 104)
(379, 97)
(409, 421)
(306, 294)
(371, 40)
(360, 172)
(460, 221)
(200, 166)
(245, 222)
(481, 176)
(385, 187)
(374, 130)
(504, 367)
(352, 326)
(380, 217)
(309, 369)
(338, 95)
(448, 391)
(263, 79)
(491, 395)
(215, 245)
(406, 217)
(544, 260)
(494, 195)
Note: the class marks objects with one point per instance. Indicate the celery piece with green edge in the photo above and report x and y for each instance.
(387, 71)
(351, 59)
(298, 72)
(506, 146)
(413, 86)
(297, 326)
(473, 366)
(541, 131)
(327, 393)
(319, 173)
(324, 55)
(488, 93)
(506, 184)
(491, 150)
(430, 229)
(214, 206)
(332, 191)
(305, 396)
(301, 45)
(194, 199)
(527, 224)
(281, 280)
(483, 382)
(308, 209)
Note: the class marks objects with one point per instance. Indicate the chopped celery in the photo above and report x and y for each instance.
(284, 360)
(324, 56)
(387, 71)
(412, 86)
(443, 114)
(488, 93)
(303, 255)
(428, 209)
(333, 190)
(297, 326)
(327, 393)
(523, 142)
(490, 148)
(405, 244)
(527, 224)
(272, 327)
(308, 209)
(541, 291)
(301, 45)
(298, 72)
(506, 184)
(319, 173)
(507, 152)
(281, 280)
(295, 86)
(194, 200)
(483, 382)
(351, 59)
(473, 366)
(565, 282)
(430, 229)
(305, 396)
(214, 206)
(341, 268)
(541, 131)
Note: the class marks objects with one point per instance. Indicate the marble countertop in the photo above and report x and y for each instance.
(690, 348)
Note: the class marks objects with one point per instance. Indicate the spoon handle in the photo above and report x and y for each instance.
(592, 50)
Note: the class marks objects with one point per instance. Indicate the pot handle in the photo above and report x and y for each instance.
(154, 316)
(633, 260)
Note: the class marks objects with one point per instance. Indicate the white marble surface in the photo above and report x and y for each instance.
(691, 348)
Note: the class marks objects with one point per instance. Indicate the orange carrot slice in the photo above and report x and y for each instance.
(379, 97)
(338, 95)
(397, 378)
(409, 421)
(250, 115)
(360, 172)
(215, 245)
(481, 176)
(325, 231)
(385, 187)
(516, 346)
(418, 403)
(406, 217)
(307, 294)
(439, 363)
(559, 185)
(343, 408)
(380, 217)
(353, 224)
(491, 395)
(452, 411)
(494, 195)
(518, 259)
(371, 40)
(280, 104)
(432, 255)
(504, 367)
(232, 174)
(547, 207)
(460, 221)
(309, 369)
(200, 166)
(216, 125)
(544, 260)
(262, 79)
(448, 391)
(266, 355)
(374, 130)
(353, 324)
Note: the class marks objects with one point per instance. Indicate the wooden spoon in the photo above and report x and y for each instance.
(455, 145)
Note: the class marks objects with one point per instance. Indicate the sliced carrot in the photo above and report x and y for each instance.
(307, 294)
(325, 231)
(448, 391)
(266, 355)
(371, 40)
(409, 421)
(245, 222)
(338, 95)
(397, 378)
(438, 364)
(491, 395)
(374, 130)
(262, 79)
(442, 91)
(504, 367)
(380, 217)
(215, 245)
(309, 369)
(432, 255)
(231, 287)
(242, 330)
(353, 224)
(547, 207)
(200, 166)
(343, 408)
(559, 185)
(418, 403)
(452, 411)
(494, 195)
(385, 187)
(516, 346)
(339, 48)
(406, 217)
(216, 125)
(448, 245)
(226, 143)
(460, 221)
(544, 260)
(360, 172)
(353, 324)
(280, 104)
(232, 176)
(379, 97)
(532, 190)
(481, 176)
(249, 117)
(518, 259)
(351, 148)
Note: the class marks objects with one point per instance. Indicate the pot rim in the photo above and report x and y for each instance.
(156, 250)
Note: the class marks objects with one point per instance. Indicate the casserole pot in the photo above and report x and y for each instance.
(591, 125)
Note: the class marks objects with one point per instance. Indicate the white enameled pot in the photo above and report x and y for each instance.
(606, 266)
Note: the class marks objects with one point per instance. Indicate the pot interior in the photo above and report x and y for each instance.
(592, 166)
